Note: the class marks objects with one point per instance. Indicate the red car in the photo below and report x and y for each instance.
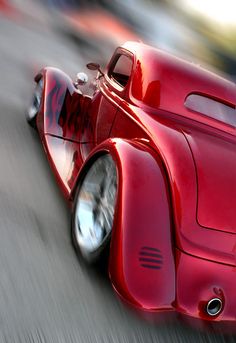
(148, 166)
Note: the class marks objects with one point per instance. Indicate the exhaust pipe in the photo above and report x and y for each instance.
(214, 307)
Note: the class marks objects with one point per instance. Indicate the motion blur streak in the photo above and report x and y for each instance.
(46, 295)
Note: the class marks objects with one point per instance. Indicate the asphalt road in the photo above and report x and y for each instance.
(46, 295)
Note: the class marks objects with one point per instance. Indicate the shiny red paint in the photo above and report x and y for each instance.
(198, 281)
(173, 242)
(141, 246)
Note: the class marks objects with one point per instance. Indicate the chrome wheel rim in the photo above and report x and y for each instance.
(94, 211)
(36, 101)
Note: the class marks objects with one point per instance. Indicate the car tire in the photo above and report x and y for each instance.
(94, 209)
(34, 107)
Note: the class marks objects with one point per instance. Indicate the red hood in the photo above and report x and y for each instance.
(215, 161)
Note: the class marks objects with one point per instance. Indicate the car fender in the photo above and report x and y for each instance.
(62, 107)
(141, 263)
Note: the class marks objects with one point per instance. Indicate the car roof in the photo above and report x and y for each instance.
(178, 78)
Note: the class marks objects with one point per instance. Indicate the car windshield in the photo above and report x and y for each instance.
(211, 108)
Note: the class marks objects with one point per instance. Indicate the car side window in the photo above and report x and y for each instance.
(121, 70)
(211, 108)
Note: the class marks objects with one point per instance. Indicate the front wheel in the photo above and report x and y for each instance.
(94, 208)
(34, 107)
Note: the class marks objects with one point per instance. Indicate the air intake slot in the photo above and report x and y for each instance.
(150, 257)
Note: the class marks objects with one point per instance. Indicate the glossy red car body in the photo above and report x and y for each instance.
(173, 243)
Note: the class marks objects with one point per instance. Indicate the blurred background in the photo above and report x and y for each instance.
(46, 295)
(199, 30)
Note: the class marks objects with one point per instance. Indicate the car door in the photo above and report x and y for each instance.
(111, 89)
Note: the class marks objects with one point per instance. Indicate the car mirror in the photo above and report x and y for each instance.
(94, 66)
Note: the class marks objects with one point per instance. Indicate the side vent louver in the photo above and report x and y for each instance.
(150, 258)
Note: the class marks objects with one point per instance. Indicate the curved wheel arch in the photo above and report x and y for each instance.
(140, 223)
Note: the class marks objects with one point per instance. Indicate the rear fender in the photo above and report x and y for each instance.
(141, 265)
(63, 105)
